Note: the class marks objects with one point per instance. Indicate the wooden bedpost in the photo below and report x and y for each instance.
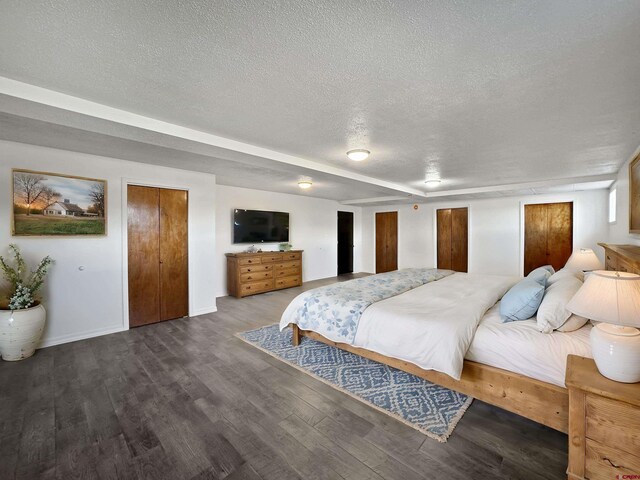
(296, 335)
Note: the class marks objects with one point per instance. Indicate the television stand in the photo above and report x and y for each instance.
(260, 272)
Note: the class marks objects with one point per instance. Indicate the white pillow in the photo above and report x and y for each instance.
(574, 323)
(552, 313)
(564, 273)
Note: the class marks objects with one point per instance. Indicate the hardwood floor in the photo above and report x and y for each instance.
(185, 399)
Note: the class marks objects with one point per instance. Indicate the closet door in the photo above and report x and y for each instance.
(386, 241)
(453, 239)
(548, 235)
(157, 253)
(560, 234)
(174, 281)
(143, 221)
(459, 239)
(443, 219)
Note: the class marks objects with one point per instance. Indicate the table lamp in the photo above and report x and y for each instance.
(583, 259)
(614, 299)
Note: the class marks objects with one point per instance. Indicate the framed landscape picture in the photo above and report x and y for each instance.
(634, 195)
(52, 204)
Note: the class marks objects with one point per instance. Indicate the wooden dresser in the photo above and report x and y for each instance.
(622, 258)
(604, 424)
(251, 273)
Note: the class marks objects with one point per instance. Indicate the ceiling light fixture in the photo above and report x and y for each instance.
(358, 154)
(305, 184)
(433, 183)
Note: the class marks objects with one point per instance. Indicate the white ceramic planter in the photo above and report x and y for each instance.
(20, 332)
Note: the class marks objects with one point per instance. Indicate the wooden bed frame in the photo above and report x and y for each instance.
(538, 401)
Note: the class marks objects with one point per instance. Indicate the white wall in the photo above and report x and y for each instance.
(619, 231)
(312, 228)
(495, 241)
(92, 302)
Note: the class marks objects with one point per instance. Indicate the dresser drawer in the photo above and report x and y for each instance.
(625, 266)
(286, 282)
(603, 462)
(288, 272)
(613, 423)
(610, 261)
(288, 265)
(276, 257)
(255, 276)
(256, 268)
(249, 260)
(256, 287)
(291, 256)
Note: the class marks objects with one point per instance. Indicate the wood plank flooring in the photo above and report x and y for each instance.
(185, 399)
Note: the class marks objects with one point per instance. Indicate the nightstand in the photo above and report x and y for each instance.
(604, 424)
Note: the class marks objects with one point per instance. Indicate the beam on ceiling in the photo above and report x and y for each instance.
(43, 96)
(521, 186)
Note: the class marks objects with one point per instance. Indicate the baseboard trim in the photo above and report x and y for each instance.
(204, 311)
(74, 337)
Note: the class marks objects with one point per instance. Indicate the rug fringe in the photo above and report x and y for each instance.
(440, 438)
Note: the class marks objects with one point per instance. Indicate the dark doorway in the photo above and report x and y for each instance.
(345, 242)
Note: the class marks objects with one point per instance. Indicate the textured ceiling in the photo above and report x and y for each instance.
(477, 92)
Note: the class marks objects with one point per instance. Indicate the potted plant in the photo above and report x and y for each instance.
(285, 246)
(22, 316)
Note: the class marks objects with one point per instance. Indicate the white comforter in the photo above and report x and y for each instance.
(521, 348)
(441, 317)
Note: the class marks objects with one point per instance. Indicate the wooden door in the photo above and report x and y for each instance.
(386, 241)
(443, 220)
(143, 225)
(345, 242)
(157, 254)
(453, 239)
(548, 235)
(174, 269)
(459, 239)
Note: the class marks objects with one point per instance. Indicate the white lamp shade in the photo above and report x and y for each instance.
(611, 297)
(583, 259)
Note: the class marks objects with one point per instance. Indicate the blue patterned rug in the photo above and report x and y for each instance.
(427, 407)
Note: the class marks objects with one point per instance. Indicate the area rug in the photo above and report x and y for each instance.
(429, 408)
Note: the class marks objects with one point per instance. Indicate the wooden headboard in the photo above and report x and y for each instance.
(622, 258)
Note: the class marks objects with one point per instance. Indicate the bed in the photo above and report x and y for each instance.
(457, 337)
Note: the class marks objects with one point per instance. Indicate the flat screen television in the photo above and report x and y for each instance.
(257, 226)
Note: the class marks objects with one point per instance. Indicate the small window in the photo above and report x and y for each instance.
(613, 196)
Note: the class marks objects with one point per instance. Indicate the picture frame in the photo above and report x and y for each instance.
(57, 205)
(634, 196)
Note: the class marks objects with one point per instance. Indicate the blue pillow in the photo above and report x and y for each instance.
(542, 274)
(521, 301)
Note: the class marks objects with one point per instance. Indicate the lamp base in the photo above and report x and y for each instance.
(616, 351)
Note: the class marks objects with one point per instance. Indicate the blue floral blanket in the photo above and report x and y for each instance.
(334, 311)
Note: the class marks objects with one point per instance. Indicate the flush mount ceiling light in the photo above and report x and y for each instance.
(305, 183)
(433, 182)
(358, 154)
